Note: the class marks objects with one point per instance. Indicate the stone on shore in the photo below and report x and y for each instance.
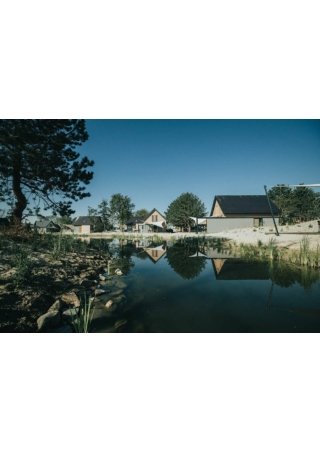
(116, 293)
(71, 298)
(48, 320)
(121, 284)
(88, 282)
(70, 315)
(57, 305)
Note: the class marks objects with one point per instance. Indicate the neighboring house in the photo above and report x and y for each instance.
(133, 224)
(45, 226)
(241, 211)
(153, 222)
(86, 225)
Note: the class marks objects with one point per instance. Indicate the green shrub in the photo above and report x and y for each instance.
(24, 266)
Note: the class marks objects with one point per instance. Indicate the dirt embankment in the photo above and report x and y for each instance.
(27, 293)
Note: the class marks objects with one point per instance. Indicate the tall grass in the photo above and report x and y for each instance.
(24, 266)
(271, 248)
(83, 318)
(304, 250)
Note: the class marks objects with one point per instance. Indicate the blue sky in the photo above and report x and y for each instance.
(155, 161)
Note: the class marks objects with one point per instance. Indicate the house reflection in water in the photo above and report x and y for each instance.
(156, 253)
(237, 269)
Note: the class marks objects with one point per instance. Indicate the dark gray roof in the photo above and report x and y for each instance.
(81, 221)
(245, 204)
(46, 224)
(135, 220)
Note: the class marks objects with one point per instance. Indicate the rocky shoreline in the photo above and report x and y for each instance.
(49, 301)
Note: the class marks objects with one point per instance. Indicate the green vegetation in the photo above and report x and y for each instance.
(305, 257)
(23, 265)
(103, 212)
(82, 320)
(121, 209)
(38, 156)
(141, 213)
(298, 204)
(182, 208)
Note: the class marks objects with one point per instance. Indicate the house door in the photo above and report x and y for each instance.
(80, 229)
(256, 222)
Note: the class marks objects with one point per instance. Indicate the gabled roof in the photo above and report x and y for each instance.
(245, 204)
(46, 224)
(135, 220)
(150, 213)
(82, 221)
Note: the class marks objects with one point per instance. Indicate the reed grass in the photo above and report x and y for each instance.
(24, 266)
(304, 250)
(82, 320)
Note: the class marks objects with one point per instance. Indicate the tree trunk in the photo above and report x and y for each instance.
(21, 201)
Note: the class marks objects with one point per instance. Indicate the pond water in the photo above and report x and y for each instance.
(179, 288)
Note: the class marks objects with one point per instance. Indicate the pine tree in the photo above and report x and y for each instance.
(38, 163)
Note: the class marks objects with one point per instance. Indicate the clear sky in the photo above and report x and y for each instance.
(155, 161)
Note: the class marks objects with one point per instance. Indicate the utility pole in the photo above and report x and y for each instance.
(274, 221)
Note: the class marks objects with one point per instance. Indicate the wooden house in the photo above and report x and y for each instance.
(86, 225)
(241, 211)
(153, 222)
(133, 224)
(45, 226)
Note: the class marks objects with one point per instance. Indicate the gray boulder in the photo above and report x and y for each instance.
(56, 306)
(48, 320)
(70, 315)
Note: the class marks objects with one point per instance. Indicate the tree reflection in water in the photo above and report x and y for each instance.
(124, 254)
(285, 275)
(179, 259)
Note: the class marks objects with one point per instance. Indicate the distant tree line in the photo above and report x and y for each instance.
(41, 170)
(297, 204)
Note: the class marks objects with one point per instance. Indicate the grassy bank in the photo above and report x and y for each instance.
(36, 270)
(304, 257)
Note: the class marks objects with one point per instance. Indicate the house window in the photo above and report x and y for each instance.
(257, 222)
(154, 217)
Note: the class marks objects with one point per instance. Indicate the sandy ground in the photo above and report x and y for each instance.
(290, 236)
(291, 241)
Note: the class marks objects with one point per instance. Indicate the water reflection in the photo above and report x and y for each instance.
(186, 288)
(181, 260)
(236, 269)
